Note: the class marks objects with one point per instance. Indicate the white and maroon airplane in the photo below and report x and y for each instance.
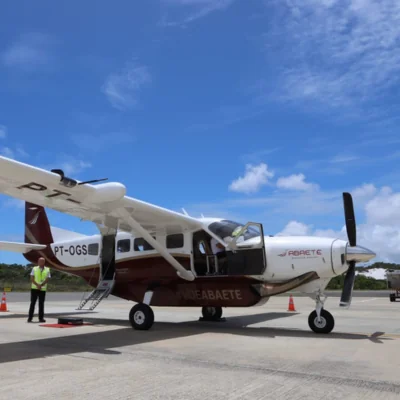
(154, 256)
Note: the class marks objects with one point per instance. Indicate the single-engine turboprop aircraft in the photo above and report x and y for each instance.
(154, 256)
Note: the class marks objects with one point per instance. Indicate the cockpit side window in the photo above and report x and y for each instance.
(226, 228)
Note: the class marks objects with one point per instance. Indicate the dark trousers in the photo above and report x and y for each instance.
(35, 294)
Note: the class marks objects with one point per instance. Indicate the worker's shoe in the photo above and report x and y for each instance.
(42, 320)
(29, 320)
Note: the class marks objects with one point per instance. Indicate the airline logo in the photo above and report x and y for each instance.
(307, 253)
(35, 218)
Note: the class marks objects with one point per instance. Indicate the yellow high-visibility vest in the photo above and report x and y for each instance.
(40, 276)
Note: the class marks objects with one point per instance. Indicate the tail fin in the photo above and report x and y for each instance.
(37, 227)
(37, 231)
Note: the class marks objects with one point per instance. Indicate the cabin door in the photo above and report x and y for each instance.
(247, 258)
(108, 257)
(238, 259)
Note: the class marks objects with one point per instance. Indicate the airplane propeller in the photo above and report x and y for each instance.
(351, 229)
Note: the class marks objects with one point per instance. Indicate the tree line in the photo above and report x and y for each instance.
(17, 277)
(363, 282)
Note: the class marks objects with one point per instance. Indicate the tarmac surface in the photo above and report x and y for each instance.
(263, 352)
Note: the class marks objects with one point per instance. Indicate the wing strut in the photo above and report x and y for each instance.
(181, 271)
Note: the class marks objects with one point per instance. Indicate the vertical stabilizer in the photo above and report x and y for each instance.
(37, 227)
(37, 231)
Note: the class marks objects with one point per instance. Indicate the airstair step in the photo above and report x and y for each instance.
(97, 295)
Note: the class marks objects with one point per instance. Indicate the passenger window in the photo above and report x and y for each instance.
(93, 249)
(123, 245)
(175, 241)
(140, 244)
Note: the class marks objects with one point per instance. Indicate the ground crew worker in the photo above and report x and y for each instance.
(39, 278)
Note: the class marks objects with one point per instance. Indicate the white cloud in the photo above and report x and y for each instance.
(11, 237)
(14, 203)
(376, 273)
(71, 166)
(21, 152)
(74, 167)
(341, 158)
(384, 208)
(365, 191)
(98, 142)
(14, 154)
(200, 9)
(257, 156)
(7, 152)
(255, 177)
(339, 53)
(122, 88)
(295, 182)
(31, 51)
(294, 228)
(3, 132)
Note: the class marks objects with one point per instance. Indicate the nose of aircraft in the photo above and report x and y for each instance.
(359, 254)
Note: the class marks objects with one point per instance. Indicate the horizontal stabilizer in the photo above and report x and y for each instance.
(20, 247)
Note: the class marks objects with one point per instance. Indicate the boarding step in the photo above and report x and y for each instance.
(97, 295)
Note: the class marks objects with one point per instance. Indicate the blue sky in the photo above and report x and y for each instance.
(251, 110)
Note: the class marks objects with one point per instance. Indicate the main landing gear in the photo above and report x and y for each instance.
(320, 320)
(141, 315)
(211, 314)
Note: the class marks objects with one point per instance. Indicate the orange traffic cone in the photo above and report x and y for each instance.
(291, 304)
(3, 306)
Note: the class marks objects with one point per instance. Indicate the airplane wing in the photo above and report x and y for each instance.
(20, 247)
(105, 204)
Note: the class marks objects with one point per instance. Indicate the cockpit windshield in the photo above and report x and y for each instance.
(226, 228)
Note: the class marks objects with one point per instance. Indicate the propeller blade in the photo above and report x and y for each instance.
(350, 218)
(347, 291)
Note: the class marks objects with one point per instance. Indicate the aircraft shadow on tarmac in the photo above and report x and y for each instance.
(103, 342)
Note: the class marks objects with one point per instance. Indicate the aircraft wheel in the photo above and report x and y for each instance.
(141, 317)
(326, 324)
(211, 313)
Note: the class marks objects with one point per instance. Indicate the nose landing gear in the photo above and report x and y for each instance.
(320, 320)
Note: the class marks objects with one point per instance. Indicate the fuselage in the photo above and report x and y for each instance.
(259, 266)
(286, 256)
